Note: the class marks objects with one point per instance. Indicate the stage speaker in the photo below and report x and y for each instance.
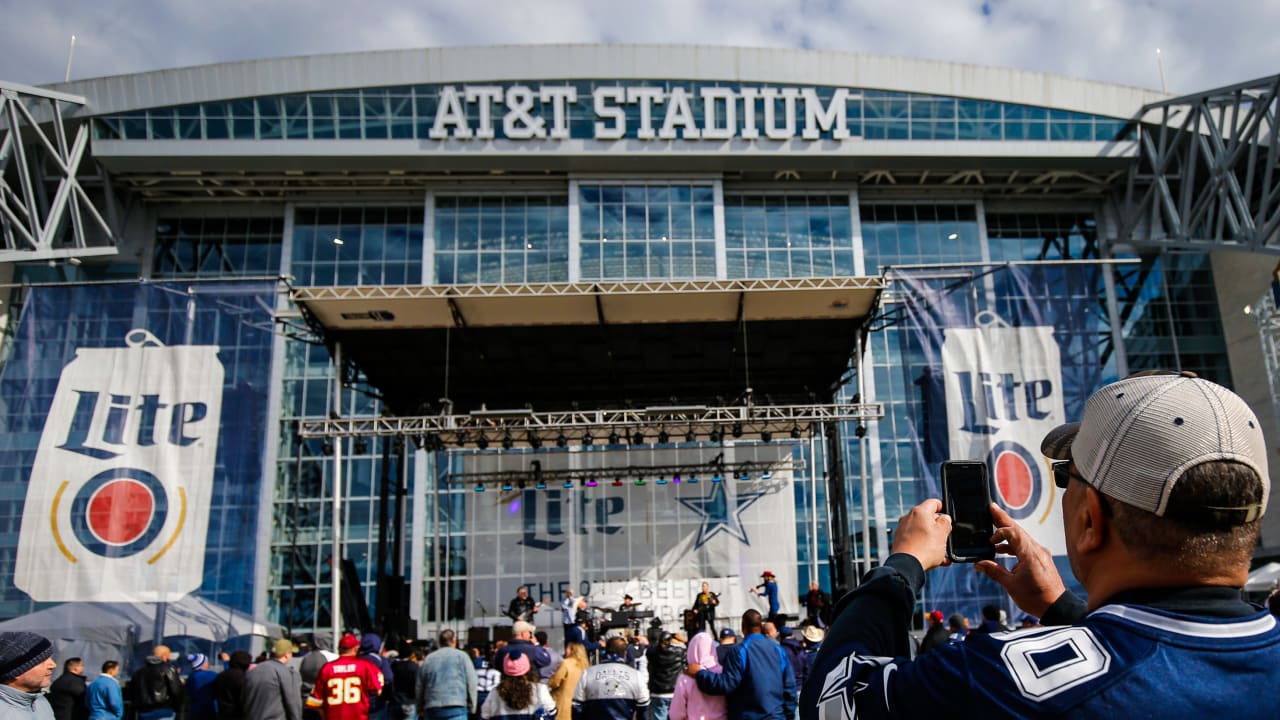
(477, 636)
(502, 633)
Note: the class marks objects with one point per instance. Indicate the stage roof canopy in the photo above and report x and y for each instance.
(597, 345)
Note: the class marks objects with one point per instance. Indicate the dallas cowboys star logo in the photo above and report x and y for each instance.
(718, 516)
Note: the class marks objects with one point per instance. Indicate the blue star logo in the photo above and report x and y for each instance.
(718, 516)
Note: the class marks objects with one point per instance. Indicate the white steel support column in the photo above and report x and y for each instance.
(429, 238)
(855, 224)
(417, 531)
(988, 280)
(860, 362)
(873, 453)
(270, 456)
(722, 255)
(814, 475)
(575, 232)
(335, 549)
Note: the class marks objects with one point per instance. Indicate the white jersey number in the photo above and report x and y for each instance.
(1052, 663)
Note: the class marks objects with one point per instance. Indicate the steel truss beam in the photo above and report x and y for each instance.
(42, 204)
(1267, 316)
(537, 478)
(1208, 171)
(525, 428)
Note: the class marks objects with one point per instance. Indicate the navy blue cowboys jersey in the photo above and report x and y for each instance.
(1121, 661)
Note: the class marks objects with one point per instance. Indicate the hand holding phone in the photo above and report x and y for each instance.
(966, 497)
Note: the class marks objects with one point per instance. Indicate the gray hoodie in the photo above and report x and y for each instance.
(15, 704)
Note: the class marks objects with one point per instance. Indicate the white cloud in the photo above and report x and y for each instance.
(1203, 44)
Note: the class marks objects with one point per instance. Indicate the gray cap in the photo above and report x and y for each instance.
(1139, 436)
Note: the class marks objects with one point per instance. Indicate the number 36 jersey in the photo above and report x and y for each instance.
(344, 687)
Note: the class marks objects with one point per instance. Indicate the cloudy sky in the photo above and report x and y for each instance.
(1203, 44)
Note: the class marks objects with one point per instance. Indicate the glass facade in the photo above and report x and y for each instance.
(410, 111)
(501, 239)
(642, 232)
(787, 236)
(357, 246)
(218, 247)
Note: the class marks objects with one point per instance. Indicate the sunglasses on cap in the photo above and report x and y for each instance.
(1062, 474)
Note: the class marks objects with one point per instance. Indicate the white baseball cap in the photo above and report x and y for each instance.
(1141, 434)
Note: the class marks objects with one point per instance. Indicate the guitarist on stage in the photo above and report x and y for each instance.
(705, 606)
(522, 607)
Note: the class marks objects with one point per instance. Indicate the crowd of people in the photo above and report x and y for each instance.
(1164, 483)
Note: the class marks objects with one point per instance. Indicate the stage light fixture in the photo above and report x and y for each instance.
(568, 485)
(638, 438)
(716, 478)
(540, 485)
(591, 482)
(482, 442)
(744, 475)
(507, 442)
(535, 442)
(613, 438)
(692, 480)
(479, 487)
(662, 480)
(715, 435)
(587, 439)
(860, 431)
(520, 484)
(737, 429)
(617, 482)
(766, 436)
(663, 437)
(766, 476)
(326, 448)
(639, 481)
(507, 487)
(690, 436)
(360, 446)
(675, 479)
(795, 432)
(561, 440)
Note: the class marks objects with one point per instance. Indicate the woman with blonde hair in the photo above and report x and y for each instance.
(566, 677)
(690, 703)
(519, 694)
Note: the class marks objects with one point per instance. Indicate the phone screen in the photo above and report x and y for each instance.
(967, 500)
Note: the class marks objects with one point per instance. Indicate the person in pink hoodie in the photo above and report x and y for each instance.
(690, 703)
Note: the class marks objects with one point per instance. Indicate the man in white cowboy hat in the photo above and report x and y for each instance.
(1164, 482)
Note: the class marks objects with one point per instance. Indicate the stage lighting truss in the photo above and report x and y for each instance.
(523, 428)
(618, 476)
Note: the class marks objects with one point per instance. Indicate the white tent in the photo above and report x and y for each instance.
(110, 631)
(1264, 578)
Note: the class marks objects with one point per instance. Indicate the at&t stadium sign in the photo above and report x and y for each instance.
(643, 112)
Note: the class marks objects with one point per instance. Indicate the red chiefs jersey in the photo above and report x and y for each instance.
(343, 689)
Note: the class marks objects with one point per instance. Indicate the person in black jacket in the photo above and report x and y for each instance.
(66, 694)
(937, 635)
(228, 688)
(666, 663)
(157, 687)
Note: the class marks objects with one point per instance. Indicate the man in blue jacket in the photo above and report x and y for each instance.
(756, 677)
(103, 698)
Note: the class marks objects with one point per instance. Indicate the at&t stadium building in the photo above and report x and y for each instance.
(614, 319)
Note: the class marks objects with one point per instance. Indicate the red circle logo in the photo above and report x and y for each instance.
(1014, 479)
(120, 511)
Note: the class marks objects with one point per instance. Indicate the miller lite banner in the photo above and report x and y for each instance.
(654, 538)
(115, 399)
(1004, 393)
(990, 384)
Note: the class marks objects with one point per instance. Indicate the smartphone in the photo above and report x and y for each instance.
(966, 497)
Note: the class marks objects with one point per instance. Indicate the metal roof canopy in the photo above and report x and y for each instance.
(597, 345)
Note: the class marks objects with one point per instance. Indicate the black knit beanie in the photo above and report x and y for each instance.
(21, 651)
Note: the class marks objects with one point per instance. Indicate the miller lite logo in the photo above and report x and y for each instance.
(1004, 393)
(117, 506)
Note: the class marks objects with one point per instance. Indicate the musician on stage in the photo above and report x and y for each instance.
(769, 588)
(705, 606)
(568, 609)
(522, 606)
(627, 604)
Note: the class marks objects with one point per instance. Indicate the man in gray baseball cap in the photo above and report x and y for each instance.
(1163, 484)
